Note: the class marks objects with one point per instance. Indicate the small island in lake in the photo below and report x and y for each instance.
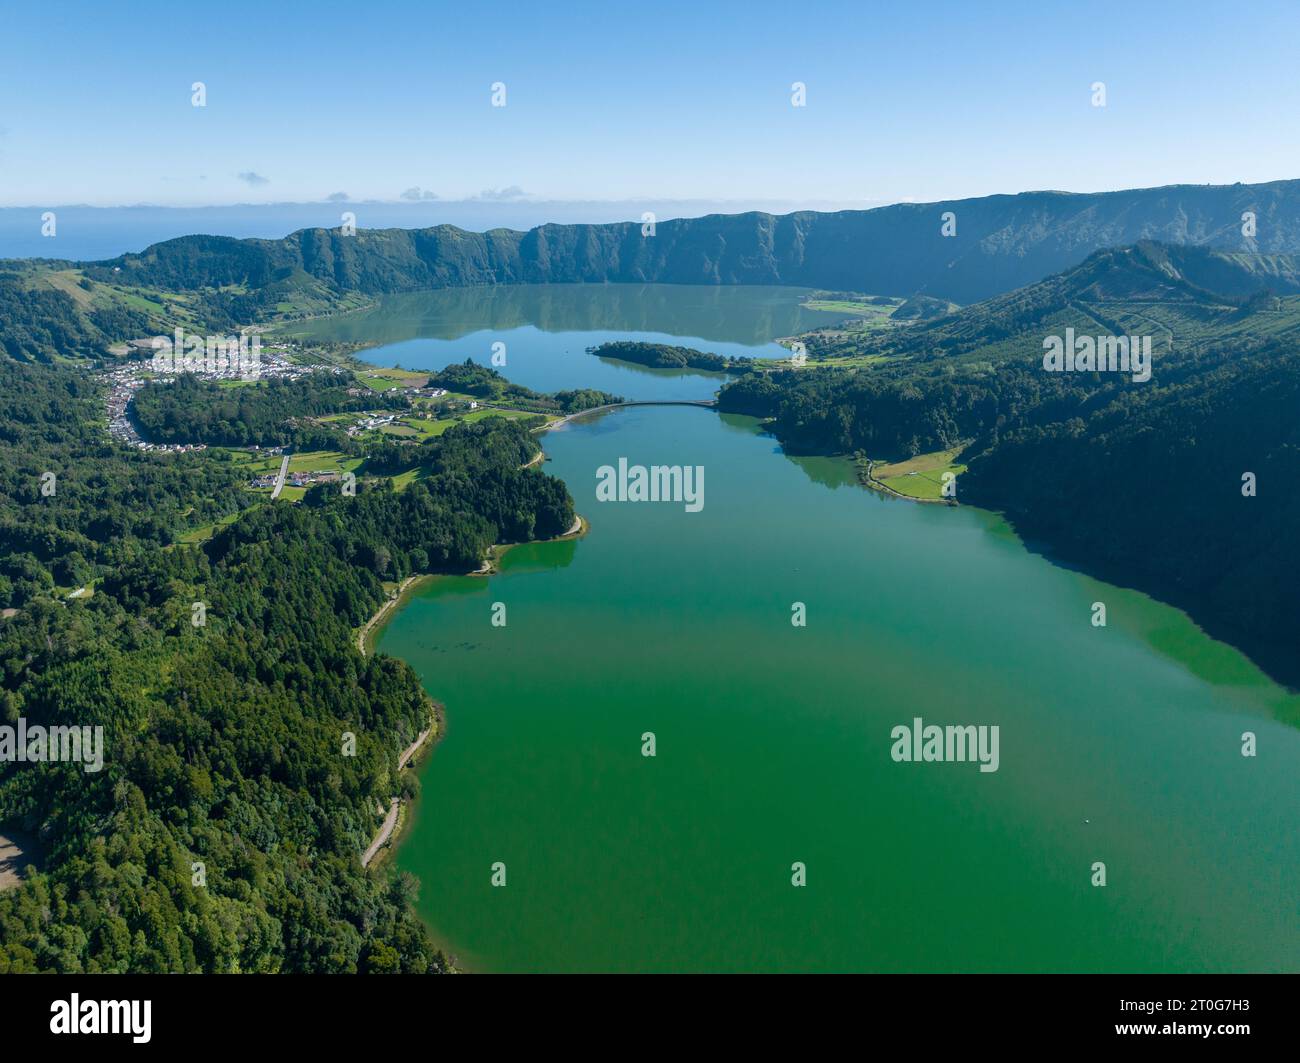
(666, 356)
(486, 383)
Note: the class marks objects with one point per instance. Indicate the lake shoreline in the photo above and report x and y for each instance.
(867, 480)
(491, 563)
(448, 847)
(452, 915)
(369, 632)
(391, 832)
(390, 837)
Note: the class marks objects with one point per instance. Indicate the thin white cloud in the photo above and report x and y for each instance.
(503, 195)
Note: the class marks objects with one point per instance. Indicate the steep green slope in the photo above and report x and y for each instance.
(40, 322)
(1001, 243)
(1140, 482)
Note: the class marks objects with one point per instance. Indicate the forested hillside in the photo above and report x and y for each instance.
(74, 504)
(41, 324)
(224, 831)
(1140, 483)
(188, 409)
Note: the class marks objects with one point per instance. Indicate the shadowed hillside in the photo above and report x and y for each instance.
(1001, 242)
(1140, 483)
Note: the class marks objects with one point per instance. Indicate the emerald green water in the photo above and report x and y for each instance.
(1119, 744)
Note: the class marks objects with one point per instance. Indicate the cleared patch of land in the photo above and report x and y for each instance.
(202, 535)
(387, 379)
(921, 476)
(426, 427)
(405, 479)
(866, 313)
(844, 306)
(513, 415)
(322, 461)
(16, 850)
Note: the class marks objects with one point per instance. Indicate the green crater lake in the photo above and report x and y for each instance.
(547, 328)
(1120, 745)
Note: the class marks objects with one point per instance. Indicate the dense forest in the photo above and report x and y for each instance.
(189, 409)
(1141, 483)
(484, 382)
(665, 356)
(224, 831)
(74, 505)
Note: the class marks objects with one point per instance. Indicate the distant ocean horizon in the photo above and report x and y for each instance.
(84, 233)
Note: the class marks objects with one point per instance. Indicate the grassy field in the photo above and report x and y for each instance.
(202, 535)
(136, 301)
(853, 361)
(65, 280)
(426, 427)
(321, 461)
(841, 306)
(254, 464)
(451, 396)
(407, 478)
(513, 415)
(387, 379)
(312, 301)
(921, 476)
(866, 315)
(172, 308)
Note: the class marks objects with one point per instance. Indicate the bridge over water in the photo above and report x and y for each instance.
(708, 403)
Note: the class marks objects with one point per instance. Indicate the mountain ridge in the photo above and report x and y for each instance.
(1001, 242)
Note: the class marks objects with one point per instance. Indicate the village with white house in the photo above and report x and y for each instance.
(244, 361)
(145, 365)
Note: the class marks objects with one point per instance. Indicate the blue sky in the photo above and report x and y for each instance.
(616, 101)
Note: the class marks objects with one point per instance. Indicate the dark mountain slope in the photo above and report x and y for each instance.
(1136, 482)
(1002, 242)
(1147, 277)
